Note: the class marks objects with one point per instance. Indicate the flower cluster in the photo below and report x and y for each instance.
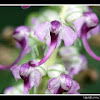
(57, 35)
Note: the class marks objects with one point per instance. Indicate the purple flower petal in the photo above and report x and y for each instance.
(68, 35)
(66, 82)
(54, 85)
(42, 30)
(86, 24)
(55, 27)
(74, 89)
(21, 32)
(31, 77)
(35, 78)
(59, 40)
(15, 71)
(48, 40)
(78, 25)
(60, 84)
(91, 19)
(25, 71)
(93, 31)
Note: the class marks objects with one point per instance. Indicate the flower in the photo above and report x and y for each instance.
(54, 32)
(87, 24)
(31, 77)
(61, 84)
(85, 27)
(66, 52)
(55, 70)
(79, 64)
(73, 61)
(20, 34)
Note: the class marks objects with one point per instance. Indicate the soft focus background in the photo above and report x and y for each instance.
(11, 17)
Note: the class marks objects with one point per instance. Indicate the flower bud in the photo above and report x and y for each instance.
(55, 70)
(50, 15)
(74, 12)
(17, 89)
(66, 52)
(42, 69)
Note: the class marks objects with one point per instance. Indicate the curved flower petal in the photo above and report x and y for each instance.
(48, 40)
(42, 30)
(25, 46)
(78, 23)
(15, 71)
(59, 40)
(74, 89)
(35, 78)
(24, 71)
(68, 35)
(54, 85)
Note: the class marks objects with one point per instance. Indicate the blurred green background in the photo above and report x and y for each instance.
(15, 16)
